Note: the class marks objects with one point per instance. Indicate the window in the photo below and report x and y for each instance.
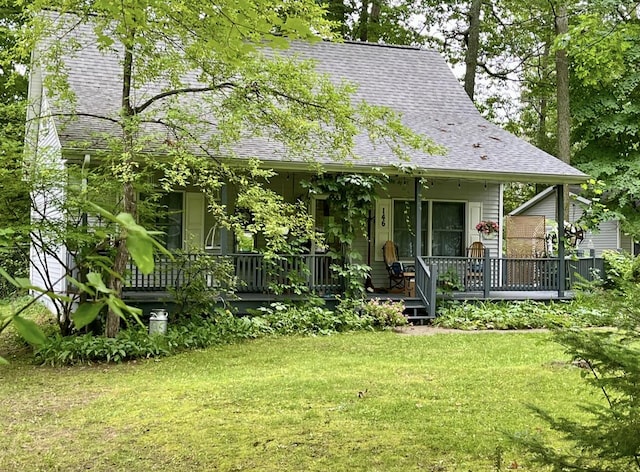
(448, 229)
(323, 221)
(442, 228)
(404, 233)
(164, 214)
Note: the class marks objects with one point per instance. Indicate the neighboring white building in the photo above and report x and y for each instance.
(609, 236)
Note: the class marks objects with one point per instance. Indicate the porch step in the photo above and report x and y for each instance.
(415, 310)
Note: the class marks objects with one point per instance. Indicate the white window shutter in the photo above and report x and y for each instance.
(194, 220)
(474, 216)
(383, 221)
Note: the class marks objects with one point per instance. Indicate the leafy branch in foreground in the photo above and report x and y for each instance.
(141, 244)
(610, 439)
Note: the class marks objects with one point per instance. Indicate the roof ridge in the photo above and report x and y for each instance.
(382, 45)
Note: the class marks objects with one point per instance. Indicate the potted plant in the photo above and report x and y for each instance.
(488, 229)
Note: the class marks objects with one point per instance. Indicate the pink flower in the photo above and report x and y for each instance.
(488, 227)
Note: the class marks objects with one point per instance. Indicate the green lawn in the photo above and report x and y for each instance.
(434, 403)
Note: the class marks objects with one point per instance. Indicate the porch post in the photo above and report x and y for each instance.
(562, 268)
(418, 199)
(224, 232)
(486, 273)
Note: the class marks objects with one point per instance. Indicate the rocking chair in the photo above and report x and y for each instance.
(475, 254)
(398, 272)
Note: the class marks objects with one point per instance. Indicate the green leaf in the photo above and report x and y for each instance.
(84, 287)
(10, 279)
(29, 330)
(86, 313)
(24, 282)
(141, 250)
(3, 361)
(95, 279)
(115, 305)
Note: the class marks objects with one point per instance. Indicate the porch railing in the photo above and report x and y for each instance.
(254, 273)
(426, 278)
(487, 274)
(312, 271)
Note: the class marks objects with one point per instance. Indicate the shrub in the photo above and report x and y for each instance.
(136, 343)
(220, 327)
(309, 318)
(522, 315)
(12, 343)
(609, 439)
(14, 258)
(385, 313)
(85, 349)
(620, 267)
(200, 283)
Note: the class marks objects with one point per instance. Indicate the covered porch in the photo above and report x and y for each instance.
(438, 273)
(436, 278)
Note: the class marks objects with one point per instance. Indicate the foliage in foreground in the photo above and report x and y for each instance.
(279, 319)
(610, 439)
(523, 315)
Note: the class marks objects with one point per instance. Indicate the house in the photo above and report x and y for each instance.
(464, 185)
(609, 236)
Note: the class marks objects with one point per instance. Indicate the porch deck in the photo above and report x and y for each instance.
(437, 278)
(543, 296)
(416, 311)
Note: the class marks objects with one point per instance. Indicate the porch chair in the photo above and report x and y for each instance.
(475, 268)
(397, 270)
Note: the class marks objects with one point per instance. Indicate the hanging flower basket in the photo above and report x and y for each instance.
(488, 229)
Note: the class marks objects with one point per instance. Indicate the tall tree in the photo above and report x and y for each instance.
(240, 87)
(382, 21)
(604, 47)
(473, 47)
(563, 103)
(14, 200)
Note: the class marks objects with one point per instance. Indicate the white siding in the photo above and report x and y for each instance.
(606, 238)
(626, 243)
(546, 207)
(46, 269)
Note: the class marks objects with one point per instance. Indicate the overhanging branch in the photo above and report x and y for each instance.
(169, 93)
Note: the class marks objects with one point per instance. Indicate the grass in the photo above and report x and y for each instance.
(13, 346)
(365, 401)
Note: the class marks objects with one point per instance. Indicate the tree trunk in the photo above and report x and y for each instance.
(373, 26)
(363, 21)
(128, 193)
(542, 140)
(473, 47)
(562, 97)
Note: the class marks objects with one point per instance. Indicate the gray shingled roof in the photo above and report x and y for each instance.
(418, 83)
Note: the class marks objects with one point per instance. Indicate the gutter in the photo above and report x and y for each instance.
(351, 166)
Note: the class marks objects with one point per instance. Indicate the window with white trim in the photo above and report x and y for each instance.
(443, 224)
